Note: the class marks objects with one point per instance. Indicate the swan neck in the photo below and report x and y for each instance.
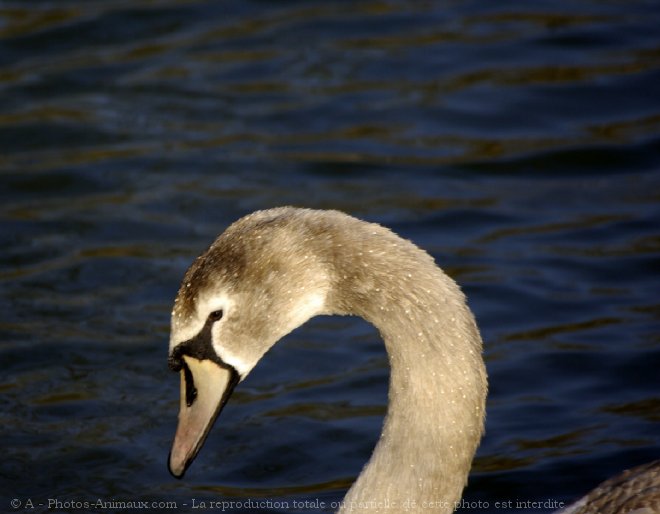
(436, 393)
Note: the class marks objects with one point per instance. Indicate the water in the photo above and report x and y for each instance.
(519, 143)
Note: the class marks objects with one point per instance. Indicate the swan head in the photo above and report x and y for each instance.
(256, 283)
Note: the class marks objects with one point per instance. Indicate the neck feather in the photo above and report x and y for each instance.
(438, 383)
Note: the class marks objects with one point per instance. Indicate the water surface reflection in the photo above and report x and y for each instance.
(517, 143)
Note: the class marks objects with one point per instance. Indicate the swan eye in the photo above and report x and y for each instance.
(215, 316)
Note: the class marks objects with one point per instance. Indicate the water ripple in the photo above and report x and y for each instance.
(518, 143)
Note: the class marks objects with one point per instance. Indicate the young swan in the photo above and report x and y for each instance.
(270, 272)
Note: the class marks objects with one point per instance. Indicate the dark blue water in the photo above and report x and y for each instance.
(518, 142)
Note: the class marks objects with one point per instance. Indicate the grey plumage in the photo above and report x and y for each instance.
(271, 271)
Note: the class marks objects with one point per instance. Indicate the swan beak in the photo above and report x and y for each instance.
(205, 388)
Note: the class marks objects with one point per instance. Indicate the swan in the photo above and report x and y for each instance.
(270, 272)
